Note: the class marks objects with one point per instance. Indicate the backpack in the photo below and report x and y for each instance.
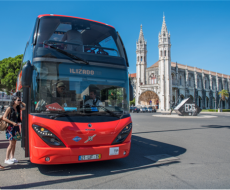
(4, 124)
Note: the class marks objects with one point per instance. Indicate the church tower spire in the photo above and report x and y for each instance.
(164, 27)
(141, 36)
(141, 53)
(164, 47)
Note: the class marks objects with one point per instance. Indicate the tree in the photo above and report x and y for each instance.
(9, 68)
(223, 93)
(132, 102)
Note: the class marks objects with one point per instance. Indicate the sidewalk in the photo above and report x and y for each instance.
(173, 112)
(3, 145)
(175, 115)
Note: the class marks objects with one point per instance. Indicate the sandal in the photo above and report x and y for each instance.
(1, 167)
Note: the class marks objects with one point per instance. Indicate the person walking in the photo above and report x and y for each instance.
(12, 116)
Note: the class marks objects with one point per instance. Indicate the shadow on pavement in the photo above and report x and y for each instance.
(140, 147)
(216, 126)
(4, 140)
(4, 145)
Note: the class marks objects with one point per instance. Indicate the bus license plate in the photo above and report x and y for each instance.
(90, 157)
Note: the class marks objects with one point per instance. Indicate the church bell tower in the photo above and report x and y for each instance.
(141, 53)
(165, 85)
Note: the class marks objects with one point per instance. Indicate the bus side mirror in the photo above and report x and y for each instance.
(27, 71)
(130, 91)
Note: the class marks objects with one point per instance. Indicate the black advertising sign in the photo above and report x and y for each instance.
(187, 108)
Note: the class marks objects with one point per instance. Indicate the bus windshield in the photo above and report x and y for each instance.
(67, 86)
(87, 39)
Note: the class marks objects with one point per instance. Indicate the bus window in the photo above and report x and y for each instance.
(70, 86)
(76, 36)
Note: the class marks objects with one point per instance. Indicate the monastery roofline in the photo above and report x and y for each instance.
(181, 66)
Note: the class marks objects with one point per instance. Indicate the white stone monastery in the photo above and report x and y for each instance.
(167, 82)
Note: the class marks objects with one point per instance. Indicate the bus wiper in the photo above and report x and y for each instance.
(67, 54)
(62, 114)
(108, 111)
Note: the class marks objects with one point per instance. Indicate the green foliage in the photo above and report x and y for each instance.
(132, 102)
(209, 110)
(225, 110)
(9, 68)
(224, 93)
(213, 110)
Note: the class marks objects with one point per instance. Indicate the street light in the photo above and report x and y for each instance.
(215, 99)
(194, 92)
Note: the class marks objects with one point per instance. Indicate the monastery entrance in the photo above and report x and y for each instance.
(149, 98)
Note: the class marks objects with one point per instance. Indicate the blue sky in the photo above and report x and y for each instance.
(199, 30)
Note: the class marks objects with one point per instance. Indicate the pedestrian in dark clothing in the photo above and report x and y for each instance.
(13, 131)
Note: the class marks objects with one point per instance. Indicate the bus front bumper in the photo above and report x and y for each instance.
(51, 155)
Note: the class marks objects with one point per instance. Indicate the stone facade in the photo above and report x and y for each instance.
(166, 82)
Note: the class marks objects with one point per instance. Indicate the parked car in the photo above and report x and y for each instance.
(143, 109)
(151, 109)
(146, 109)
(134, 109)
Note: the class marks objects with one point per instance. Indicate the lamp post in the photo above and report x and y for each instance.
(215, 99)
(175, 96)
(194, 93)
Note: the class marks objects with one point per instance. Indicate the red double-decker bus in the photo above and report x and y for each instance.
(74, 81)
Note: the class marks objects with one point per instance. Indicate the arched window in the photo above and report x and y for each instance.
(138, 58)
(153, 79)
(141, 58)
(206, 86)
(198, 83)
(189, 82)
(199, 101)
(180, 80)
(213, 103)
(165, 52)
(174, 81)
(168, 54)
(225, 85)
(181, 97)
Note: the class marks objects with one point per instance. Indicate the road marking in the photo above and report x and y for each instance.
(162, 158)
(190, 117)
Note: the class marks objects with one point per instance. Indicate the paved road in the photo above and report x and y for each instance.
(200, 148)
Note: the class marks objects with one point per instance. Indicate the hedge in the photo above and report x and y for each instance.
(213, 110)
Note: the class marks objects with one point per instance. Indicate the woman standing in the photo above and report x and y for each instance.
(12, 116)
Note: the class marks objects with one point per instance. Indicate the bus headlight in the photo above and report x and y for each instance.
(123, 134)
(47, 136)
